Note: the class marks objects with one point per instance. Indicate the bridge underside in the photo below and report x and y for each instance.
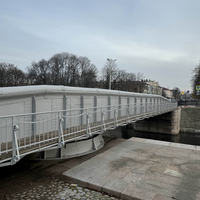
(168, 123)
(70, 150)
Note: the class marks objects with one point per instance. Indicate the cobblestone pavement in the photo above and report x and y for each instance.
(60, 190)
(42, 179)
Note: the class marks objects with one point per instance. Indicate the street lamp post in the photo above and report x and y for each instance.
(109, 60)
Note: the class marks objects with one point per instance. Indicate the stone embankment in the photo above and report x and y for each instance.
(190, 119)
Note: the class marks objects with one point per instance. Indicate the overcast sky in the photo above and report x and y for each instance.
(160, 38)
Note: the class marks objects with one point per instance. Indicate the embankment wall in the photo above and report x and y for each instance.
(190, 119)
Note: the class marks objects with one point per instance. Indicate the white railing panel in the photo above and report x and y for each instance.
(36, 129)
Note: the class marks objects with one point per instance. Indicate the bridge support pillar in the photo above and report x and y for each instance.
(168, 123)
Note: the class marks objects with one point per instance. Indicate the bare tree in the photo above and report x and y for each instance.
(139, 76)
(109, 71)
(176, 93)
(56, 68)
(10, 75)
(3, 74)
(39, 73)
(120, 83)
(132, 76)
(195, 80)
(87, 72)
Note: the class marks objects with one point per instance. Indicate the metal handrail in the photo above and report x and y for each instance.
(51, 129)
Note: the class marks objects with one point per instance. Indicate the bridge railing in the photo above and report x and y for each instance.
(23, 134)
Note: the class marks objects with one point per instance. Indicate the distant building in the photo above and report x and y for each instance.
(167, 93)
(143, 86)
(152, 87)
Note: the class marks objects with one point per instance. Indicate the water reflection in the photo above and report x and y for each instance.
(184, 138)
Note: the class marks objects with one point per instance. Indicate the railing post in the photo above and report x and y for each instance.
(87, 123)
(82, 109)
(160, 105)
(127, 110)
(157, 104)
(146, 105)
(60, 132)
(95, 109)
(119, 107)
(109, 107)
(127, 115)
(102, 121)
(135, 106)
(15, 148)
(115, 117)
(65, 110)
(88, 130)
(13, 142)
(33, 116)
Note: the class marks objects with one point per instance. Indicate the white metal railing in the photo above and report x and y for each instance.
(27, 133)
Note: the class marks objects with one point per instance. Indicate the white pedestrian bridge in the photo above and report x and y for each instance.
(52, 122)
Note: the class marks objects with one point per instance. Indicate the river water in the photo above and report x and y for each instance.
(184, 138)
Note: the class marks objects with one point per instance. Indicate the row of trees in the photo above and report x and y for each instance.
(10, 75)
(69, 70)
(63, 69)
(121, 80)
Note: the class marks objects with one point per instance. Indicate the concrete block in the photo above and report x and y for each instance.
(115, 186)
(94, 162)
(162, 197)
(158, 167)
(197, 148)
(96, 181)
(157, 142)
(134, 176)
(78, 172)
(172, 153)
(121, 172)
(160, 177)
(110, 155)
(133, 192)
(137, 139)
(158, 187)
(150, 171)
(184, 146)
(174, 171)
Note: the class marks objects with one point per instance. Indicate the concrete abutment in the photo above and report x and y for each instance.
(168, 123)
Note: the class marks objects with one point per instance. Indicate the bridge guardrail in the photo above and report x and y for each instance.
(24, 134)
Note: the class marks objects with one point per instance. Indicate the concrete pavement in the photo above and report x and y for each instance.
(142, 169)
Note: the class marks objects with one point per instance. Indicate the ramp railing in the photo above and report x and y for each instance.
(24, 134)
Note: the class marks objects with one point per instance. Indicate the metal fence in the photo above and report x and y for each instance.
(24, 134)
(188, 103)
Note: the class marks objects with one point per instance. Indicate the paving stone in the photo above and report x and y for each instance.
(146, 169)
(115, 186)
(133, 191)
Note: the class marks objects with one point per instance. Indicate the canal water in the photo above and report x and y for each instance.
(184, 138)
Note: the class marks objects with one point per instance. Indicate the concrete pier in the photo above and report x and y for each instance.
(142, 169)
